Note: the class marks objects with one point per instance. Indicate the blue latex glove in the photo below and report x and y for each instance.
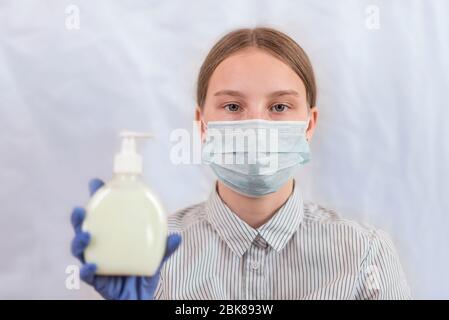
(114, 287)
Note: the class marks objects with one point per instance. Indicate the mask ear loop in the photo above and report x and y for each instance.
(202, 123)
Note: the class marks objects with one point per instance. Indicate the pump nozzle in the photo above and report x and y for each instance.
(128, 160)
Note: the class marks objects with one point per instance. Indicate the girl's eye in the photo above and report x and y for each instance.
(279, 107)
(232, 107)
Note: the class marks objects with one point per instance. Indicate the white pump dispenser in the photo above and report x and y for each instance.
(127, 223)
(128, 160)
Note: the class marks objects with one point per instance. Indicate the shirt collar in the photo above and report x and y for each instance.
(239, 235)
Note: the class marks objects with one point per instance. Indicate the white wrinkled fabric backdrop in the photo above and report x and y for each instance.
(380, 153)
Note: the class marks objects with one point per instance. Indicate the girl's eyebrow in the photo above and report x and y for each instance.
(283, 93)
(235, 93)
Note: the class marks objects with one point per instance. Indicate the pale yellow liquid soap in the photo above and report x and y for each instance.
(126, 221)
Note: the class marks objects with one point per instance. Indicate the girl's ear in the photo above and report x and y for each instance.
(199, 119)
(197, 114)
(312, 122)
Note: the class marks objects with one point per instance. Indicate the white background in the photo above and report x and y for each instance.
(380, 154)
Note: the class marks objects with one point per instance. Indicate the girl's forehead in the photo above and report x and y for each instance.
(254, 70)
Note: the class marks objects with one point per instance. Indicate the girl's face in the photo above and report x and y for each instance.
(252, 84)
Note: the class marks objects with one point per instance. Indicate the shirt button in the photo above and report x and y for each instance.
(255, 265)
(260, 242)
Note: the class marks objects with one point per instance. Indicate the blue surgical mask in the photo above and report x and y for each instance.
(255, 157)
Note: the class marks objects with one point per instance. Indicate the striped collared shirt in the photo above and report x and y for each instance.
(304, 251)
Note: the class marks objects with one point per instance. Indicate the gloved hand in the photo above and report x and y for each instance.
(114, 287)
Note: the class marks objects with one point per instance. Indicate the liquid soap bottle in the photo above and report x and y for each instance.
(126, 221)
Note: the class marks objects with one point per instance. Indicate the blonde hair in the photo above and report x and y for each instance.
(273, 41)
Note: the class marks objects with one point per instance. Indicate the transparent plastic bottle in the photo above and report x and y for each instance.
(126, 221)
